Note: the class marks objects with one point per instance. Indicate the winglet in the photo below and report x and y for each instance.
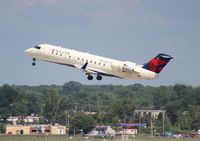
(84, 66)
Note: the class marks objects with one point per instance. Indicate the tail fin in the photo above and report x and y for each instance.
(158, 63)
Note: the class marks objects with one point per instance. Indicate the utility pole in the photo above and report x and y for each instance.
(68, 116)
(151, 127)
(139, 123)
(163, 122)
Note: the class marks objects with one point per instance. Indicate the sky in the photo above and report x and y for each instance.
(128, 30)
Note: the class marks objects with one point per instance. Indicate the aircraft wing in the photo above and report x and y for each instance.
(79, 66)
(91, 71)
(84, 68)
(100, 72)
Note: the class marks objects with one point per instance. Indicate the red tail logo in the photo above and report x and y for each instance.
(158, 63)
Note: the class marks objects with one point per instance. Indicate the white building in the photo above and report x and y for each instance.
(131, 131)
(152, 113)
(101, 131)
(42, 129)
(28, 119)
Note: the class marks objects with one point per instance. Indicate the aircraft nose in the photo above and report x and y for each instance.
(28, 51)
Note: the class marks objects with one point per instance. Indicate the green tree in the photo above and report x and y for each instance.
(81, 122)
(20, 107)
(71, 87)
(195, 115)
(124, 109)
(8, 96)
(35, 103)
(52, 105)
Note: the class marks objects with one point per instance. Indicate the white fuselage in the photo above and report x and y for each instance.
(96, 64)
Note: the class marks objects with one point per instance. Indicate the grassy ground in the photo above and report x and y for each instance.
(64, 138)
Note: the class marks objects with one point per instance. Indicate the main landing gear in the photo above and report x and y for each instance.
(90, 77)
(33, 64)
(99, 77)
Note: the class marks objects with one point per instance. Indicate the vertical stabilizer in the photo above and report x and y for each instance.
(158, 63)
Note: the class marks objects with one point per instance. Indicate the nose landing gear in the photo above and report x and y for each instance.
(34, 62)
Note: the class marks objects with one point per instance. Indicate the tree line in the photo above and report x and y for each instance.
(66, 104)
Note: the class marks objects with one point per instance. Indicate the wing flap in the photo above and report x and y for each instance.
(89, 70)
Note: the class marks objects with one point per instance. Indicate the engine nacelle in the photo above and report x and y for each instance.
(128, 66)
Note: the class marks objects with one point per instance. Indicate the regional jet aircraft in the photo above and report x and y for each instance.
(97, 65)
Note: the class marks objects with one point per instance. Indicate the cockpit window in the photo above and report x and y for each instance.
(37, 47)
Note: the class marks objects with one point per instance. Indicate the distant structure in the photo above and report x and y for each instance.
(129, 128)
(28, 119)
(86, 113)
(102, 131)
(152, 113)
(35, 129)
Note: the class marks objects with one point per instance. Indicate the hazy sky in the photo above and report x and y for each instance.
(133, 30)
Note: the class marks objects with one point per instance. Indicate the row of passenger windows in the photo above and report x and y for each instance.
(95, 62)
(60, 53)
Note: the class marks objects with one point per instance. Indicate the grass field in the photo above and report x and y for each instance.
(64, 138)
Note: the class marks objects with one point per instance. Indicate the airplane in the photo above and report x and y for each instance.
(97, 65)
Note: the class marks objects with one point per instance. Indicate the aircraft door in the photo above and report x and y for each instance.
(44, 51)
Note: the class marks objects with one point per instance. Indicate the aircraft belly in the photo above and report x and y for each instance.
(56, 59)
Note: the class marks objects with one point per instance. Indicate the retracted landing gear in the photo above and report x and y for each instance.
(33, 64)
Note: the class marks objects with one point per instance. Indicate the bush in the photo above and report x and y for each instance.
(2, 128)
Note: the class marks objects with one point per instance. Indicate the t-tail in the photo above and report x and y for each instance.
(158, 63)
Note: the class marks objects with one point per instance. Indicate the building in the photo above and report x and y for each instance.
(35, 129)
(152, 113)
(102, 131)
(29, 119)
(129, 128)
